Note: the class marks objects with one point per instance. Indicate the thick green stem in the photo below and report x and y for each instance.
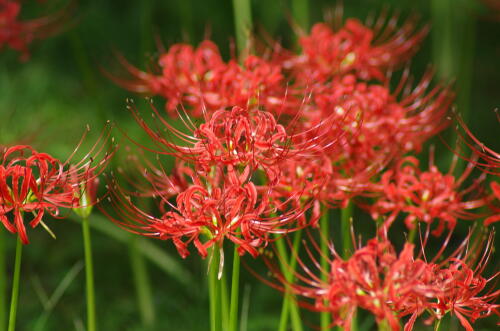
(325, 235)
(235, 286)
(15, 286)
(3, 281)
(437, 324)
(453, 36)
(345, 229)
(346, 215)
(384, 326)
(224, 300)
(213, 290)
(142, 284)
(243, 25)
(300, 12)
(89, 276)
(413, 234)
(289, 307)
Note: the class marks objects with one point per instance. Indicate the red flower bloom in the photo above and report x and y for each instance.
(391, 286)
(355, 48)
(37, 183)
(30, 183)
(199, 81)
(213, 208)
(426, 196)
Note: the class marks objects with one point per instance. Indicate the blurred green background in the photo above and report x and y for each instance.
(48, 100)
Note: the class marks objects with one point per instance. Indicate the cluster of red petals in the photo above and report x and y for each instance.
(391, 286)
(226, 183)
(199, 80)
(39, 184)
(426, 196)
(208, 211)
(30, 182)
(18, 34)
(355, 48)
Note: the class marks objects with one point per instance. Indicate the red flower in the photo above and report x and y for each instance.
(355, 48)
(36, 183)
(216, 207)
(200, 81)
(426, 196)
(30, 183)
(391, 286)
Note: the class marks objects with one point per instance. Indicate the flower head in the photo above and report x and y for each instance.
(199, 80)
(38, 184)
(355, 48)
(394, 286)
(426, 196)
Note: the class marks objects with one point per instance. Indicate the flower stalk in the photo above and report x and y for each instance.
(289, 306)
(89, 275)
(325, 233)
(235, 282)
(15, 285)
(243, 24)
(213, 289)
(3, 282)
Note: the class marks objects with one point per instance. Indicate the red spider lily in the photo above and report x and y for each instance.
(426, 196)
(37, 183)
(217, 207)
(355, 48)
(392, 286)
(406, 123)
(19, 34)
(237, 138)
(199, 80)
(465, 292)
(29, 182)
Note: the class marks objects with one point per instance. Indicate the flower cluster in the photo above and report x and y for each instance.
(225, 184)
(392, 287)
(276, 138)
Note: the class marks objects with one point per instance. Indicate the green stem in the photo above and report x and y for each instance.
(345, 229)
(347, 244)
(243, 25)
(300, 12)
(15, 286)
(235, 286)
(89, 276)
(142, 284)
(437, 324)
(384, 326)
(413, 234)
(3, 281)
(213, 289)
(289, 307)
(224, 300)
(453, 36)
(325, 232)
